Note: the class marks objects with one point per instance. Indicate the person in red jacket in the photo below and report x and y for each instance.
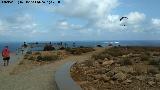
(6, 55)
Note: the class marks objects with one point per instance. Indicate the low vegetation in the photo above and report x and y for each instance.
(120, 68)
(78, 51)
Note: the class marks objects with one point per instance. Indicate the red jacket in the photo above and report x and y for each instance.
(5, 53)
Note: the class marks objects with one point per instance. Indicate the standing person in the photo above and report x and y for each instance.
(6, 55)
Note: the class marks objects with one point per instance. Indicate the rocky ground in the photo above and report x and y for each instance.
(120, 68)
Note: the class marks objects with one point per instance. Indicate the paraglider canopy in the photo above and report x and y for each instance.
(123, 21)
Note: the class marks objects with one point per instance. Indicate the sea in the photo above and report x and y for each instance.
(151, 43)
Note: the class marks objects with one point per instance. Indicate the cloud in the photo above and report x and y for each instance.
(65, 25)
(86, 9)
(110, 23)
(156, 23)
(136, 17)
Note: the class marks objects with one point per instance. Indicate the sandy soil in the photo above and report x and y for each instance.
(39, 78)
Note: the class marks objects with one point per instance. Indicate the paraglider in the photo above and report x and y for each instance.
(123, 21)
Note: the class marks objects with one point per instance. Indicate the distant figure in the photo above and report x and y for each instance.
(74, 44)
(65, 45)
(6, 55)
(25, 45)
(61, 43)
(22, 50)
(50, 43)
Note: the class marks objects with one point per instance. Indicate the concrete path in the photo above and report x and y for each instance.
(63, 78)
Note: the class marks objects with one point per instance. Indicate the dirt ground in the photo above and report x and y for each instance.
(36, 78)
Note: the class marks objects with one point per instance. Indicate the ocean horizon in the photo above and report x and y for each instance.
(151, 43)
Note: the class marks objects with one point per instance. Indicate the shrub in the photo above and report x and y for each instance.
(116, 51)
(48, 48)
(154, 62)
(29, 52)
(99, 45)
(89, 63)
(31, 58)
(37, 53)
(140, 69)
(26, 56)
(144, 57)
(126, 61)
(39, 58)
(62, 48)
(153, 70)
(79, 51)
(101, 56)
(47, 58)
(156, 54)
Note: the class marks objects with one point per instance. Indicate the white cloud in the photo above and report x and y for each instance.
(156, 23)
(110, 23)
(65, 25)
(136, 17)
(87, 9)
(19, 23)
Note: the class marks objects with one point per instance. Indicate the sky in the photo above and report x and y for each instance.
(79, 20)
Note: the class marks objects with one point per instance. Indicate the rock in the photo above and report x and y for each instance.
(124, 69)
(97, 77)
(105, 78)
(101, 77)
(141, 78)
(119, 76)
(106, 59)
(157, 77)
(96, 64)
(112, 82)
(110, 73)
(117, 65)
(151, 83)
(127, 81)
(108, 62)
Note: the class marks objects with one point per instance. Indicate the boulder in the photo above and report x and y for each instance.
(108, 62)
(119, 76)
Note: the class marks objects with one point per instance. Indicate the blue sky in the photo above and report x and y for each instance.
(74, 20)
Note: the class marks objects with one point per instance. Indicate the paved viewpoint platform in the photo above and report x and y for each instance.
(63, 78)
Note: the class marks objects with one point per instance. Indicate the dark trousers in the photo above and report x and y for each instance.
(6, 60)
